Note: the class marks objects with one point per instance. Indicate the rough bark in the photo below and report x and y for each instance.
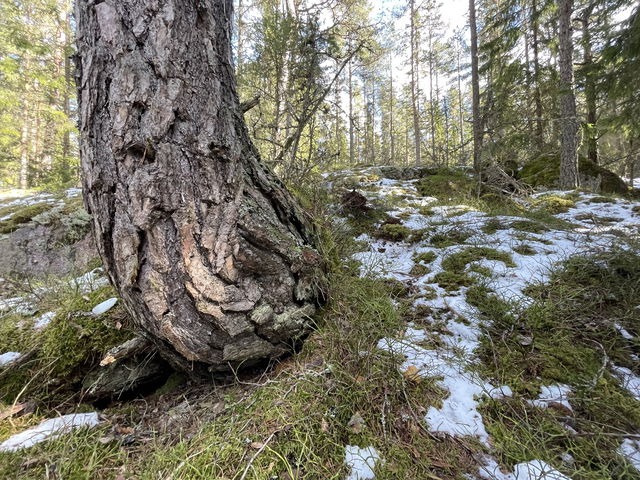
(207, 249)
(415, 84)
(568, 122)
(590, 92)
(537, 94)
(475, 89)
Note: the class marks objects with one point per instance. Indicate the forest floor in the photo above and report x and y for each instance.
(463, 338)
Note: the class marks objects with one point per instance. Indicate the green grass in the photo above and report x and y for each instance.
(565, 337)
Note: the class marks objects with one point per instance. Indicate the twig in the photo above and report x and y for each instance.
(255, 455)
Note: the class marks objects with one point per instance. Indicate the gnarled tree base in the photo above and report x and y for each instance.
(207, 249)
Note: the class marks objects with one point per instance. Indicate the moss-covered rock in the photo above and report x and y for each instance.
(545, 171)
(445, 183)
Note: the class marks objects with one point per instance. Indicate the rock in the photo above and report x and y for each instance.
(130, 375)
(544, 171)
(37, 250)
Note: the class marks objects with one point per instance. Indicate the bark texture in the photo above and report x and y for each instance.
(569, 124)
(207, 249)
(475, 89)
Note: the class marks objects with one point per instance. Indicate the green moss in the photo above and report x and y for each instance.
(419, 270)
(545, 171)
(530, 226)
(446, 183)
(455, 236)
(394, 232)
(553, 204)
(425, 257)
(493, 225)
(22, 216)
(456, 262)
(524, 249)
(452, 281)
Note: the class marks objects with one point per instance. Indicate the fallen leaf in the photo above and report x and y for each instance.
(123, 430)
(360, 379)
(412, 373)
(356, 423)
(256, 445)
(324, 426)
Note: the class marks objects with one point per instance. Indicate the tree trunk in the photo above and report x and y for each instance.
(208, 251)
(568, 121)
(475, 88)
(415, 89)
(537, 94)
(590, 93)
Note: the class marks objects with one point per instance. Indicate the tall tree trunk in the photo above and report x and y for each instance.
(415, 84)
(352, 147)
(569, 123)
(537, 95)
(475, 89)
(591, 131)
(392, 139)
(208, 251)
(460, 116)
(24, 152)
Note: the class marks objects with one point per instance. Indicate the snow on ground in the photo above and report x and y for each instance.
(533, 470)
(551, 395)
(43, 320)
(628, 380)
(361, 462)
(48, 430)
(9, 357)
(597, 225)
(630, 449)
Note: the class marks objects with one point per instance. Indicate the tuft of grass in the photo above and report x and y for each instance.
(567, 335)
(394, 232)
(553, 204)
(524, 249)
(456, 262)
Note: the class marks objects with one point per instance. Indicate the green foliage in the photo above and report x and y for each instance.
(71, 344)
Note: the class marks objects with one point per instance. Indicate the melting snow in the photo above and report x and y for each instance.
(553, 394)
(43, 320)
(628, 380)
(9, 357)
(361, 461)
(532, 470)
(630, 449)
(49, 429)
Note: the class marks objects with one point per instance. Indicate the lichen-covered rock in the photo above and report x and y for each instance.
(48, 248)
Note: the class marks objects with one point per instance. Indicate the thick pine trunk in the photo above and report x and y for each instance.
(207, 249)
(568, 121)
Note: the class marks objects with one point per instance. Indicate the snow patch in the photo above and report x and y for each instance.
(48, 430)
(43, 320)
(361, 461)
(630, 449)
(629, 380)
(553, 395)
(9, 357)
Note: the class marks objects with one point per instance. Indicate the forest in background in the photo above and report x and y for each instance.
(337, 83)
